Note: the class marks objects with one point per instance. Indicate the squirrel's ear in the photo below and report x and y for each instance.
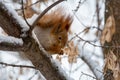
(68, 23)
(67, 27)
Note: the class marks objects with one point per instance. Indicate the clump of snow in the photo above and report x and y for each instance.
(11, 40)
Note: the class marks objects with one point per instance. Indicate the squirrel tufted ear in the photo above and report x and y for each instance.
(66, 23)
(62, 23)
(69, 21)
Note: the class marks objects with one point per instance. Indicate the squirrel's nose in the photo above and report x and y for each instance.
(54, 45)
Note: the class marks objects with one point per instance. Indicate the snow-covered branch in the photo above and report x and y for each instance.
(11, 22)
(10, 43)
(11, 40)
(92, 65)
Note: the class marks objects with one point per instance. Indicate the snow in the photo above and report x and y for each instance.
(94, 66)
(58, 65)
(11, 40)
(4, 38)
(17, 73)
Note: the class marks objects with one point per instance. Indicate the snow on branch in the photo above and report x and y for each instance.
(19, 19)
(12, 23)
(8, 40)
(92, 65)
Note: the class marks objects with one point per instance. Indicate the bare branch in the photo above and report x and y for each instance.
(79, 4)
(5, 47)
(87, 28)
(98, 13)
(95, 45)
(13, 65)
(24, 15)
(88, 75)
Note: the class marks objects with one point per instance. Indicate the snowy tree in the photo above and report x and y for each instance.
(84, 45)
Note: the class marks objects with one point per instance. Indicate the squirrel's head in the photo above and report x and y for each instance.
(57, 24)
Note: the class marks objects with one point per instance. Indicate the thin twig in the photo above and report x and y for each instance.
(74, 12)
(98, 13)
(36, 72)
(90, 42)
(79, 4)
(24, 15)
(84, 31)
(79, 19)
(88, 75)
(13, 65)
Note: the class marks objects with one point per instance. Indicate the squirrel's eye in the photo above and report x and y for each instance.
(60, 38)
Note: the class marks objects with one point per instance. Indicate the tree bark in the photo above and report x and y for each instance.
(112, 53)
(7, 20)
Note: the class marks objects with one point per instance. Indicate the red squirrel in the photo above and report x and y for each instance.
(52, 30)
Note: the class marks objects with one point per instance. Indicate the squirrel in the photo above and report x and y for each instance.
(52, 30)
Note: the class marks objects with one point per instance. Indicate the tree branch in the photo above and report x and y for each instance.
(24, 14)
(13, 65)
(44, 62)
(88, 75)
(92, 65)
(10, 43)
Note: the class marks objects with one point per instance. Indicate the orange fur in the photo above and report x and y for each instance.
(55, 18)
(52, 30)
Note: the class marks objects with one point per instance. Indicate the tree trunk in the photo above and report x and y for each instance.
(112, 52)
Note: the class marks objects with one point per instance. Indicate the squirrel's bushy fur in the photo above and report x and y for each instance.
(52, 30)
